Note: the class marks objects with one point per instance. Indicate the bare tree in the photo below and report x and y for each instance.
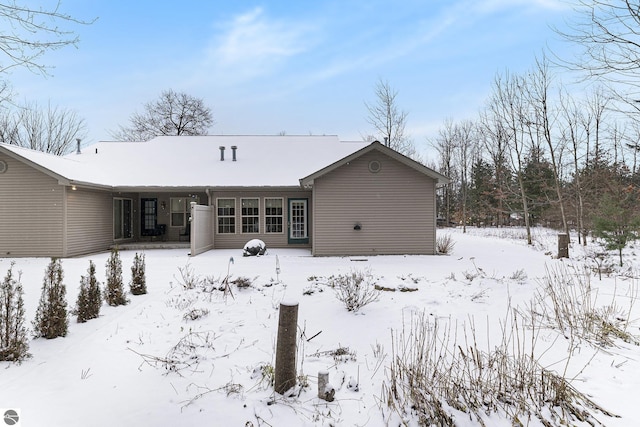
(173, 113)
(508, 106)
(465, 146)
(607, 33)
(445, 144)
(28, 33)
(538, 86)
(494, 138)
(388, 120)
(52, 129)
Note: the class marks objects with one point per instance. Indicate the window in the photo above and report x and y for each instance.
(250, 215)
(273, 215)
(179, 211)
(122, 220)
(226, 216)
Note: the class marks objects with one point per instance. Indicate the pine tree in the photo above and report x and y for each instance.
(114, 292)
(89, 297)
(51, 316)
(13, 333)
(138, 283)
(618, 221)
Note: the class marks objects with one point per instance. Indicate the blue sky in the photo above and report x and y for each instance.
(298, 67)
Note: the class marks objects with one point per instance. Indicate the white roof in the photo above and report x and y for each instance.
(194, 161)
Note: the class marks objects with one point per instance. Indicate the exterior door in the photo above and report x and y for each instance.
(298, 221)
(149, 218)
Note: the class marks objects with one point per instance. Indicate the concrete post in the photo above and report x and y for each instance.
(563, 245)
(285, 375)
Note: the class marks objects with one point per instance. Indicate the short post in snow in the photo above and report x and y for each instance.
(285, 375)
(563, 245)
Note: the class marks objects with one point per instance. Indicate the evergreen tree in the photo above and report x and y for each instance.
(51, 316)
(13, 333)
(619, 219)
(114, 292)
(138, 283)
(89, 297)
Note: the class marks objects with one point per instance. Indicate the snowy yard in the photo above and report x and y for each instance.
(203, 357)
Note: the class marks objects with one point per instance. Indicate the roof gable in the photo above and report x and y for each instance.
(440, 179)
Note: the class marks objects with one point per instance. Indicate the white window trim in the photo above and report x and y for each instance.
(235, 215)
(251, 216)
(187, 211)
(282, 216)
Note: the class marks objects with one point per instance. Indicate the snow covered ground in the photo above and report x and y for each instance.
(200, 357)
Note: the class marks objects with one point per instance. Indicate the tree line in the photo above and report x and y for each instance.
(538, 154)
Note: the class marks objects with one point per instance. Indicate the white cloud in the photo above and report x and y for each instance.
(252, 44)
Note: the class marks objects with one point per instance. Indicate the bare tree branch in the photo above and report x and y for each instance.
(28, 33)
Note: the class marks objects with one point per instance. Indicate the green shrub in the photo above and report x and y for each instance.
(89, 297)
(138, 283)
(114, 291)
(51, 316)
(13, 333)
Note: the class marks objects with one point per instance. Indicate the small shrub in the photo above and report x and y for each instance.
(114, 292)
(13, 333)
(188, 278)
(242, 282)
(51, 316)
(355, 290)
(138, 285)
(195, 314)
(444, 244)
(89, 297)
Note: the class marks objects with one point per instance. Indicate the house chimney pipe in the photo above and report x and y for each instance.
(78, 140)
(222, 153)
(233, 152)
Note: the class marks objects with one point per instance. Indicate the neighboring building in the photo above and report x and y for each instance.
(218, 192)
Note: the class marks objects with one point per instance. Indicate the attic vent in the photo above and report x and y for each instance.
(374, 166)
(233, 152)
(3, 166)
(222, 153)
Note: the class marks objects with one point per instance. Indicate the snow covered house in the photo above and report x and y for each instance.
(218, 192)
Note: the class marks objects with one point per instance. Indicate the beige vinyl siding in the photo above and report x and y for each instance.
(238, 239)
(89, 221)
(31, 212)
(395, 208)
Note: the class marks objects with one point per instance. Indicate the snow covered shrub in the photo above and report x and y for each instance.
(254, 247)
(51, 316)
(89, 297)
(444, 244)
(13, 333)
(114, 291)
(355, 289)
(138, 283)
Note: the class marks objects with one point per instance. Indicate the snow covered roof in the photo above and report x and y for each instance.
(194, 161)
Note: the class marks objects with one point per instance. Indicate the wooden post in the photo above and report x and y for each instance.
(563, 245)
(325, 390)
(285, 376)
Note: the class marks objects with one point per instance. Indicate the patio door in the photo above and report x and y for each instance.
(149, 219)
(298, 221)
